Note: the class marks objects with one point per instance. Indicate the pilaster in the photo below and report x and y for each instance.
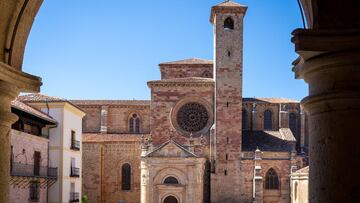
(104, 119)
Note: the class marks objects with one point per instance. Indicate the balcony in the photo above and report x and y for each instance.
(27, 170)
(74, 197)
(75, 145)
(74, 172)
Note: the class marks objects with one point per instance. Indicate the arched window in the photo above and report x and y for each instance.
(267, 120)
(126, 177)
(171, 180)
(244, 119)
(229, 23)
(272, 180)
(134, 123)
(170, 199)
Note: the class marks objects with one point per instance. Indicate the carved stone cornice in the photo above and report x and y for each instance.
(329, 62)
(182, 83)
(25, 82)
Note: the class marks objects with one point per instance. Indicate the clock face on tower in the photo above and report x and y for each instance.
(192, 117)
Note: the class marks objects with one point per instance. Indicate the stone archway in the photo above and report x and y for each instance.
(170, 199)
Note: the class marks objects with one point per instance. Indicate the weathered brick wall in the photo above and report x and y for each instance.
(103, 158)
(21, 194)
(91, 171)
(184, 70)
(282, 168)
(24, 142)
(258, 119)
(92, 120)
(118, 118)
(226, 180)
(164, 99)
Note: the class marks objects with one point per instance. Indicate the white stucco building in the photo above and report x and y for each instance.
(65, 151)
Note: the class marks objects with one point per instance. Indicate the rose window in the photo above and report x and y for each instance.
(192, 117)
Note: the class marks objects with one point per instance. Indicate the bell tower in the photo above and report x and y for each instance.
(227, 19)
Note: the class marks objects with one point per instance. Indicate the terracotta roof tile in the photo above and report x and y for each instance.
(40, 98)
(37, 97)
(28, 109)
(191, 61)
(112, 102)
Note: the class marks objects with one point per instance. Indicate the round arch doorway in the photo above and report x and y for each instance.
(170, 199)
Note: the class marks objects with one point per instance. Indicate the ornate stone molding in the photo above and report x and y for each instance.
(25, 82)
(180, 84)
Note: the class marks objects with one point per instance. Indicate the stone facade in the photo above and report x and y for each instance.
(299, 184)
(187, 68)
(104, 155)
(197, 130)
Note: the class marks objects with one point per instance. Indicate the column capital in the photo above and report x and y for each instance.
(25, 82)
(329, 62)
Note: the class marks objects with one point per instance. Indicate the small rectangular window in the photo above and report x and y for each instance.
(34, 191)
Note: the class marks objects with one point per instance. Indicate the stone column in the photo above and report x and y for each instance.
(7, 94)
(330, 63)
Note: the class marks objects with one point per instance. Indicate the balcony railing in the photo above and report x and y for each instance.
(74, 172)
(27, 170)
(74, 197)
(75, 145)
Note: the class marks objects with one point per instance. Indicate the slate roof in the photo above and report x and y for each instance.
(190, 61)
(30, 110)
(276, 141)
(270, 100)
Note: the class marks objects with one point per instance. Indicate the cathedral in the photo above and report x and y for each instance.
(197, 140)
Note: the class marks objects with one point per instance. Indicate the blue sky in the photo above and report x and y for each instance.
(109, 49)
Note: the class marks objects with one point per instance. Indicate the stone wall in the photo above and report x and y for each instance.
(185, 70)
(118, 118)
(113, 118)
(166, 98)
(103, 157)
(280, 162)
